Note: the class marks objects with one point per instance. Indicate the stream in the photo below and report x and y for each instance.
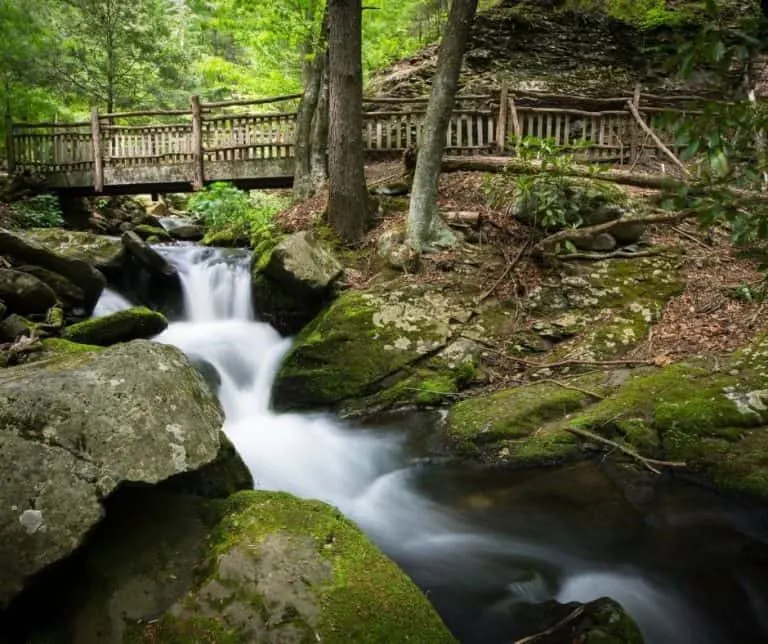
(487, 548)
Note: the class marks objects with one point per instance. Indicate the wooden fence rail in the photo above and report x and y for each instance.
(212, 140)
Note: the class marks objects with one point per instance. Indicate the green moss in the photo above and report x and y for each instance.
(123, 326)
(148, 232)
(362, 596)
(190, 630)
(61, 346)
(358, 342)
(226, 238)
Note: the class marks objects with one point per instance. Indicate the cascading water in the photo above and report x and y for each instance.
(478, 577)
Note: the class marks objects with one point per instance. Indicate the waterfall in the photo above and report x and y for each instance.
(366, 474)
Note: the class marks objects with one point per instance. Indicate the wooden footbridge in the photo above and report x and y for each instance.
(251, 142)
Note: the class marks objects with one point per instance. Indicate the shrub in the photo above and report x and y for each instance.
(223, 207)
(41, 211)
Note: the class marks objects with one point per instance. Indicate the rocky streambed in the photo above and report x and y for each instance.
(130, 515)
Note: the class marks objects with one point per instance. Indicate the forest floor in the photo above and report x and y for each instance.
(716, 312)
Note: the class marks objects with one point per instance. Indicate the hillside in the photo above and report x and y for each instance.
(550, 47)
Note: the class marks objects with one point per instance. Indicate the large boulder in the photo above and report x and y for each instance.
(364, 341)
(147, 257)
(99, 250)
(131, 324)
(312, 570)
(292, 279)
(187, 232)
(75, 427)
(25, 293)
(81, 273)
(70, 295)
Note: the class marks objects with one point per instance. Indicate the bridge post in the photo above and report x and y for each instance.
(10, 153)
(501, 123)
(98, 156)
(634, 133)
(198, 176)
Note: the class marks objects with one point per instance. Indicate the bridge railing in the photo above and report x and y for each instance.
(119, 147)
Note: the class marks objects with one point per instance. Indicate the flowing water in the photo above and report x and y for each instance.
(487, 548)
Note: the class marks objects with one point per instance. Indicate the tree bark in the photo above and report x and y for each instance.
(319, 146)
(425, 229)
(312, 72)
(348, 203)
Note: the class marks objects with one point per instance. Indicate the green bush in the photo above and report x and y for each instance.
(39, 211)
(223, 207)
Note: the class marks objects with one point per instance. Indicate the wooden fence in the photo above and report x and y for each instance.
(248, 131)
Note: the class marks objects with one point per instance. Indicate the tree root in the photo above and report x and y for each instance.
(507, 270)
(531, 639)
(586, 392)
(651, 463)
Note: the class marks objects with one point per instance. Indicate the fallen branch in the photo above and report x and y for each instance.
(586, 392)
(569, 234)
(579, 363)
(659, 143)
(650, 463)
(599, 256)
(531, 639)
(506, 272)
(693, 238)
(463, 217)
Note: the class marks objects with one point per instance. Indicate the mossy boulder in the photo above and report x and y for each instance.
(76, 427)
(280, 569)
(69, 294)
(364, 342)
(131, 324)
(147, 232)
(24, 293)
(98, 250)
(293, 277)
(187, 232)
(710, 415)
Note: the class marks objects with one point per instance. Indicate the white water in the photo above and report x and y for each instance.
(364, 473)
(110, 302)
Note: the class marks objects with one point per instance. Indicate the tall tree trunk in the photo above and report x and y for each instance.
(312, 76)
(319, 145)
(348, 203)
(425, 229)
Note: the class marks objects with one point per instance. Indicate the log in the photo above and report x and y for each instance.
(463, 217)
(659, 143)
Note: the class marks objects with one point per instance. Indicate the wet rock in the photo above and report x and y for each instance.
(131, 324)
(364, 338)
(145, 232)
(292, 278)
(81, 273)
(150, 260)
(24, 293)
(70, 295)
(74, 428)
(13, 327)
(187, 232)
(3, 309)
(288, 570)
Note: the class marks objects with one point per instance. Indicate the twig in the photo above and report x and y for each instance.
(639, 154)
(598, 256)
(647, 462)
(552, 629)
(659, 143)
(507, 270)
(586, 392)
(693, 238)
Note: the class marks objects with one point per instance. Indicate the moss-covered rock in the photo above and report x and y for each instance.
(98, 250)
(123, 326)
(280, 569)
(361, 340)
(293, 277)
(147, 232)
(711, 416)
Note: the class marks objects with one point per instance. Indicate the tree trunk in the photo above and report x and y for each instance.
(319, 146)
(425, 230)
(348, 202)
(312, 73)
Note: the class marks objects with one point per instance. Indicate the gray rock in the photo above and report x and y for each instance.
(391, 247)
(147, 257)
(99, 250)
(74, 428)
(3, 309)
(13, 327)
(602, 242)
(187, 232)
(77, 271)
(24, 293)
(303, 266)
(70, 294)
